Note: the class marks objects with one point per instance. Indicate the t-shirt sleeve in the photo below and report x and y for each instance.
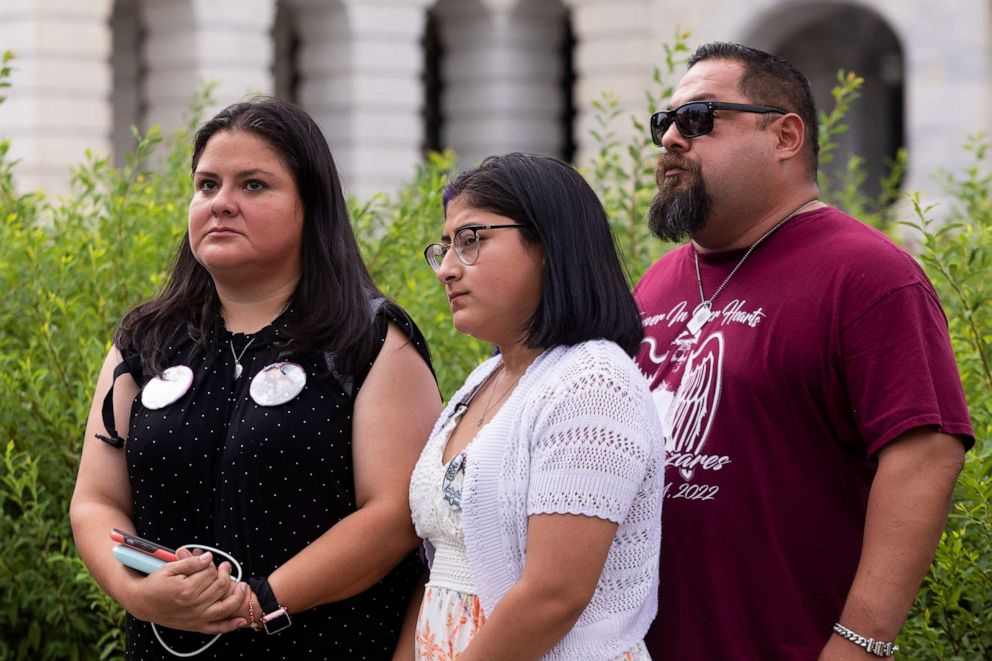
(592, 447)
(900, 369)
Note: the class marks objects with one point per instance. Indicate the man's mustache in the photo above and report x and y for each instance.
(667, 161)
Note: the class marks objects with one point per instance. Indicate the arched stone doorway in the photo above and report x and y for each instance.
(286, 52)
(499, 78)
(127, 63)
(820, 40)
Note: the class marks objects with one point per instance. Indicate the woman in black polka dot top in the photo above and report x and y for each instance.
(272, 404)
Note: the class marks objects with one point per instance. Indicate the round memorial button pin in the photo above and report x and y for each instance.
(167, 387)
(277, 384)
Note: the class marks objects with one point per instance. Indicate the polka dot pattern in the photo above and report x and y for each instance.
(261, 483)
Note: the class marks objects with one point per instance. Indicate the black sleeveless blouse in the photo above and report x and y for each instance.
(261, 483)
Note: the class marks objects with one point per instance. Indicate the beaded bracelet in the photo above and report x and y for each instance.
(251, 616)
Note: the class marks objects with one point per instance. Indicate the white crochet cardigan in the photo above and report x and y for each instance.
(579, 435)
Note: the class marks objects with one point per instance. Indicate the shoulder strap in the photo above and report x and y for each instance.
(130, 365)
(389, 311)
(384, 311)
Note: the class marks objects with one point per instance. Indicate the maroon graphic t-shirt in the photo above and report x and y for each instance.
(827, 344)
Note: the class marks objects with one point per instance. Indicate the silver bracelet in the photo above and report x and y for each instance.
(872, 646)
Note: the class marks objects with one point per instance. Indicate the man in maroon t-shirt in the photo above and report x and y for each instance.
(813, 415)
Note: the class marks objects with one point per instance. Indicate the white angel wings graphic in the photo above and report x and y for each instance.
(691, 413)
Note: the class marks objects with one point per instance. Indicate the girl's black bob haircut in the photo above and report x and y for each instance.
(585, 291)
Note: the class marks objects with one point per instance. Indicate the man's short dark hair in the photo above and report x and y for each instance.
(770, 80)
(585, 292)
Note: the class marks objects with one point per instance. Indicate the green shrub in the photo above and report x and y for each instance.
(845, 190)
(68, 270)
(392, 232)
(952, 616)
(622, 172)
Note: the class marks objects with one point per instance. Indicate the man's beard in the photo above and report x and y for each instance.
(679, 208)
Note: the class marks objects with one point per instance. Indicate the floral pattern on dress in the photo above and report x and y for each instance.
(449, 619)
(447, 622)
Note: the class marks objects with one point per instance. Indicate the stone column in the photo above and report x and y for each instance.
(193, 42)
(57, 107)
(502, 73)
(618, 43)
(127, 99)
(360, 65)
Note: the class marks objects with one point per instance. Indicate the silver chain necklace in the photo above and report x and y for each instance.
(237, 356)
(704, 312)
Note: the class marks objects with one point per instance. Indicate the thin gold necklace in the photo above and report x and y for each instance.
(492, 394)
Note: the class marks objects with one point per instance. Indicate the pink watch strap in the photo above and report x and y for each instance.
(268, 617)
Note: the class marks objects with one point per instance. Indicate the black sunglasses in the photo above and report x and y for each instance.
(696, 118)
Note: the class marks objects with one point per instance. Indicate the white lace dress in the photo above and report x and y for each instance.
(451, 612)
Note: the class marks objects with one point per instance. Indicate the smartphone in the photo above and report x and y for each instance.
(138, 560)
(143, 545)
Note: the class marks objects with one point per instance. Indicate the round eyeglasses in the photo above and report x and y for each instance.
(466, 244)
(696, 118)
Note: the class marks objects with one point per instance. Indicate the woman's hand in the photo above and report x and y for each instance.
(191, 594)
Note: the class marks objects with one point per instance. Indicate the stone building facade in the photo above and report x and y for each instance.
(387, 79)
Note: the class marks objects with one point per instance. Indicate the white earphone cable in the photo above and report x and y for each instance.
(236, 566)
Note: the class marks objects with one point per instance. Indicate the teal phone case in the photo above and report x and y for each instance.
(136, 559)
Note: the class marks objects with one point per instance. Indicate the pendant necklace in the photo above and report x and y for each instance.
(704, 311)
(492, 394)
(237, 356)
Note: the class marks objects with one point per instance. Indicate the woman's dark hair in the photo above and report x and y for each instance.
(330, 308)
(585, 294)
